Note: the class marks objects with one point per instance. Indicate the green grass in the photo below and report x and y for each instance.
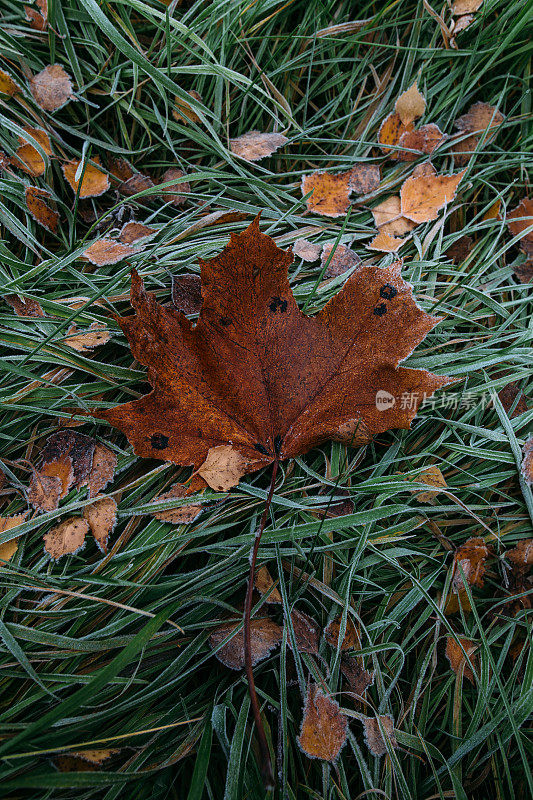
(76, 667)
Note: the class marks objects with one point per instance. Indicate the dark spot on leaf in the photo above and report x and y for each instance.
(262, 449)
(276, 303)
(380, 310)
(159, 441)
(388, 292)
(225, 321)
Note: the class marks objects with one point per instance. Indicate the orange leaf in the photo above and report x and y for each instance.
(8, 85)
(331, 193)
(480, 119)
(471, 557)
(67, 538)
(425, 193)
(102, 518)
(265, 635)
(175, 193)
(265, 585)
(385, 243)
(108, 251)
(410, 105)
(426, 139)
(351, 639)
(28, 158)
(324, 728)
(39, 208)
(254, 146)
(390, 132)
(51, 88)
(456, 656)
(94, 183)
(375, 739)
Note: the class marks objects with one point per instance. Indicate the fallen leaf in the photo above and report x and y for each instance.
(225, 379)
(461, 7)
(183, 515)
(37, 19)
(24, 306)
(377, 741)
(223, 468)
(265, 585)
(51, 88)
(8, 85)
(135, 184)
(332, 631)
(254, 146)
(338, 508)
(521, 556)
(187, 293)
(8, 549)
(480, 120)
(358, 678)
(102, 469)
(324, 727)
(101, 517)
(390, 133)
(424, 140)
(460, 24)
(527, 463)
(508, 397)
(519, 220)
(177, 192)
(40, 211)
(183, 111)
(524, 271)
(28, 157)
(119, 168)
(67, 538)
(134, 232)
(456, 657)
(306, 632)
(69, 459)
(94, 183)
(108, 251)
(85, 342)
(385, 243)
(340, 262)
(83, 760)
(331, 193)
(410, 105)
(306, 250)
(388, 218)
(471, 557)
(460, 249)
(265, 636)
(432, 476)
(425, 193)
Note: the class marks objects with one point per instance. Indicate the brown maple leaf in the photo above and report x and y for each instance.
(258, 374)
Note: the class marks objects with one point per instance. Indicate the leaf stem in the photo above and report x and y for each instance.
(266, 764)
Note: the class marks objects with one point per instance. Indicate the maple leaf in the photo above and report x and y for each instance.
(258, 374)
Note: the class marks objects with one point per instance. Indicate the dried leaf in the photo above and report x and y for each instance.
(31, 161)
(508, 398)
(388, 218)
(324, 728)
(223, 468)
(456, 657)
(8, 85)
(85, 342)
(83, 760)
(8, 549)
(265, 585)
(410, 105)
(521, 556)
(135, 184)
(108, 251)
(306, 632)
(390, 133)
(134, 232)
(524, 271)
(187, 293)
(460, 249)
(351, 636)
(385, 243)
(432, 476)
(331, 193)
(480, 120)
(471, 557)
(51, 88)
(36, 202)
(425, 193)
(460, 24)
(527, 463)
(306, 250)
(101, 517)
(102, 469)
(425, 140)
(374, 738)
(24, 306)
(461, 7)
(67, 538)
(265, 636)
(183, 515)
(340, 262)
(177, 192)
(37, 20)
(94, 183)
(521, 218)
(358, 678)
(184, 112)
(225, 379)
(45, 492)
(254, 146)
